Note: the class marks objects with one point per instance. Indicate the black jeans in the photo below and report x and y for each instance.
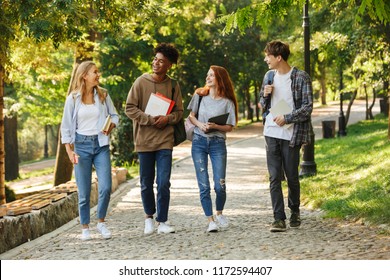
(283, 158)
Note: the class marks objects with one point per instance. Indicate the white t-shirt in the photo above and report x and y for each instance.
(87, 119)
(281, 90)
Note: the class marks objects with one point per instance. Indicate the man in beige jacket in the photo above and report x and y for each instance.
(153, 136)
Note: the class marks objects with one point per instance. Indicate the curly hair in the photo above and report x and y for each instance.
(168, 50)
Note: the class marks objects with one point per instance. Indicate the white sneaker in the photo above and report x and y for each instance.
(165, 228)
(213, 227)
(101, 227)
(222, 221)
(149, 226)
(85, 234)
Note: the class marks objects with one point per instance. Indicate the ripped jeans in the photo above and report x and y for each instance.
(215, 147)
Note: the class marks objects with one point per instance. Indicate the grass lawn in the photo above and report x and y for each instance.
(353, 174)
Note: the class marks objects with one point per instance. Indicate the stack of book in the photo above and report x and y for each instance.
(159, 105)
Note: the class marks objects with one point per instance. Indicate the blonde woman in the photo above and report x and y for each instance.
(86, 109)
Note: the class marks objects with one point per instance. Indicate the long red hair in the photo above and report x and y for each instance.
(224, 88)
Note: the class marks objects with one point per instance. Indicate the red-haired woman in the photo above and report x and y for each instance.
(209, 140)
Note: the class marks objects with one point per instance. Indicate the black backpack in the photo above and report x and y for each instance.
(270, 77)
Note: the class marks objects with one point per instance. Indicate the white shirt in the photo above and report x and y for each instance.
(88, 117)
(281, 90)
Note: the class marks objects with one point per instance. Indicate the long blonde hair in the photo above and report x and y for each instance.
(78, 82)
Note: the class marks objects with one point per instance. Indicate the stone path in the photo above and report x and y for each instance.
(248, 209)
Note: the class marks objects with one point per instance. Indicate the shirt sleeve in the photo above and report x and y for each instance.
(67, 120)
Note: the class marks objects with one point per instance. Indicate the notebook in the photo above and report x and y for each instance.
(281, 108)
(221, 120)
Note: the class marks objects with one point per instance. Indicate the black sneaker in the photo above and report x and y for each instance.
(295, 220)
(278, 226)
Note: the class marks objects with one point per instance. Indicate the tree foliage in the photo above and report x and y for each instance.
(262, 13)
(41, 39)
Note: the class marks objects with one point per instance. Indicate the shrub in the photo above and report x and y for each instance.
(123, 142)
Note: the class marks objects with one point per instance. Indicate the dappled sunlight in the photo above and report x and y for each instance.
(184, 184)
(183, 190)
(249, 151)
(129, 204)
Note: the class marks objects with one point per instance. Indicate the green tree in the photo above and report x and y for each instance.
(262, 13)
(370, 14)
(102, 17)
(41, 20)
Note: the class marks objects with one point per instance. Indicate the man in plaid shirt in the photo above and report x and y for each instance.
(286, 97)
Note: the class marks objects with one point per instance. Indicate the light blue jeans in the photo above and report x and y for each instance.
(202, 148)
(148, 162)
(91, 154)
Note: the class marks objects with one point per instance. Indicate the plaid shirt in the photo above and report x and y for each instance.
(303, 106)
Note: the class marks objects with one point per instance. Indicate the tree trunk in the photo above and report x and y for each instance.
(388, 114)
(322, 79)
(387, 89)
(370, 115)
(248, 104)
(63, 167)
(11, 148)
(257, 101)
(353, 96)
(243, 108)
(53, 142)
(2, 154)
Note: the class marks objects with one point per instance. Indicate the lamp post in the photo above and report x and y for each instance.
(342, 131)
(308, 165)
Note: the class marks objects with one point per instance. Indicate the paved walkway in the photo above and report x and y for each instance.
(248, 209)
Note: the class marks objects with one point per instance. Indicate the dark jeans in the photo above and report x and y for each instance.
(149, 161)
(281, 157)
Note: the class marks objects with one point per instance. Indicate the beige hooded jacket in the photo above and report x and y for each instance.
(147, 137)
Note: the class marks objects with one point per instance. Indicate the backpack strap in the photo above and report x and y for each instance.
(270, 77)
(197, 112)
(270, 81)
(173, 83)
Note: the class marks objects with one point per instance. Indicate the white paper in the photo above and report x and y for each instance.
(157, 106)
(281, 108)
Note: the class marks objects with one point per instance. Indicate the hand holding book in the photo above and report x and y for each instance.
(161, 121)
(106, 125)
(220, 120)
